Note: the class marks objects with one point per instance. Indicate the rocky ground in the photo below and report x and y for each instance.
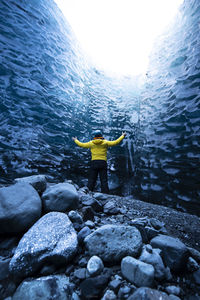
(58, 241)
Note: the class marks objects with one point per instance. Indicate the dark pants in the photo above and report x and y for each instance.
(98, 167)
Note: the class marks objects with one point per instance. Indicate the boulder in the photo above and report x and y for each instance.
(20, 208)
(39, 182)
(60, 197)
(175, 253)
(152, 256)
(51, 240)
(44, 288)
(95, 265)
(112, 242)
(137, 272)
(144, 293)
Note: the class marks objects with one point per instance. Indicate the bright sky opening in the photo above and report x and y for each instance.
(118, 35)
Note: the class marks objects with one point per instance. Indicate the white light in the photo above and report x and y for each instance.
(118, 34)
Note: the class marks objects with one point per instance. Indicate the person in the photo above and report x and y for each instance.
(98, 147)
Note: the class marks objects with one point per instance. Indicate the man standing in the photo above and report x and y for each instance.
(98, 147)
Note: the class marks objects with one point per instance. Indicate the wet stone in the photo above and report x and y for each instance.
(52, 239)
(112, 242)
(44, 288)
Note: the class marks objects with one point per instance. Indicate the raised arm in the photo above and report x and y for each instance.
(83, 145)
(113, 143)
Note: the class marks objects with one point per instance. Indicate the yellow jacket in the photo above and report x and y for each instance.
(98, 147)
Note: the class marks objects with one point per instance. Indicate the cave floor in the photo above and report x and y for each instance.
(182, 225)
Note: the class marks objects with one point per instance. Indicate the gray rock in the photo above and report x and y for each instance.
(95, 265)
(115, 284)
(152, 256)
(92, 288)
(60, 197)
(110, 208)
(112, 242)
(51, 240)
(75, 296)
(144, 293)
(20, 208)
(90, 224)
(75, 217)
(151, 232)
(85, 231)
(192, 265)
(44, 288)
(39, 182)
(80, 273)
(109, 295)
(137, 272)
(87, 200)
(194, 254)
(173, 297)
(175, 253)
(100, 196)
(124, 292)
(88, 213)
(172, 289)
(156, 223)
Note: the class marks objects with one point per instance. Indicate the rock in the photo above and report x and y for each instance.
(137, 272)
(151, 232)
(196, 276)
(173, 297)
(109, 295)
(83, 233)
(39, 182)
(175, 290)
(60, 197)
(124, 292)
(152, 256)
(88, 213)
(75, 297)
(115, 284)
(100, 196)
(112, 242)
(95, 266)
(51, 240)
(92, 287)
(4, 267)
(156, 223)
(82, 262)
(75, 217)
(44, 288)
(92, 202)
(80, 273)
(90, 224)
(194, 254)
(20, 208)
(192, 265)
(110, 208)
(175, 253)
(145, 293)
